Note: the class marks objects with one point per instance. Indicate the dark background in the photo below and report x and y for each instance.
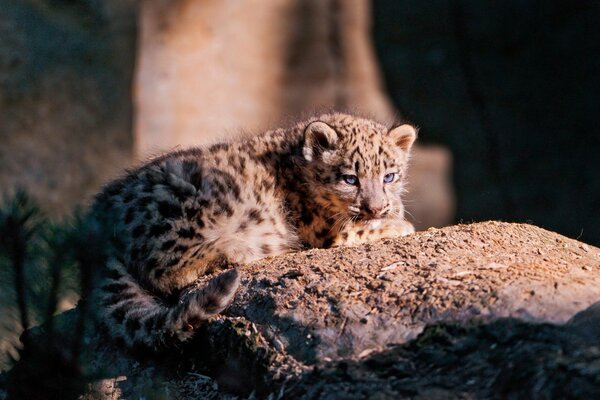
(513, 88)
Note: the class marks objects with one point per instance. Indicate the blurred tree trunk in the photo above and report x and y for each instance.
(207, 69)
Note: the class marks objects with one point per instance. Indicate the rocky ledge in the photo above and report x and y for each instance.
(483, 310)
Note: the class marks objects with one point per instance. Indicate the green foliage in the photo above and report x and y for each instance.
(43, 264)
(44, 267)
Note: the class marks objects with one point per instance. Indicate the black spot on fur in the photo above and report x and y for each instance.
(148, 187)
(117, 298)
(255, 216)
(132, 325)
(217, 147)
(118, 314)
(328, 242)
(196, 252)
(129, 214)
(120, 342)
(159, 229)
(139, 349)
(151, 263)
(172, 262)
(187, 233)
(115, 287)
(191, 212)
(231, 159)
(159, 272)
(128, 197)
(112, 274)
(307, 216)
(226, 181)
(224, 208)
(169, 210)
(167, 245)
(149, 323)
(143, 202)
(138, 231)
(180, 248)
(135, 253)
(322, 233)
(114, 189)
(192, 170)
(181, 193)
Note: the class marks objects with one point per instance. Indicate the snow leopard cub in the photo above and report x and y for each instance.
(332, 180)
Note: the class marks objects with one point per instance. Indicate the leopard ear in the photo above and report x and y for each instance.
(318, 137)
(403, 136)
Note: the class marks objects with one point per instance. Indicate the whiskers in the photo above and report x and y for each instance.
(341, 219)
(402, 215)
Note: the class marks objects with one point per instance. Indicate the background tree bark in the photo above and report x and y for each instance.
(205, 68)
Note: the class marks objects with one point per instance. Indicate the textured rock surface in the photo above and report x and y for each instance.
(343, 322)
(343, 302)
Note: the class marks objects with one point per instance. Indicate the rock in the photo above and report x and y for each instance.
(588, 322)
(506, 358)
(442, 313)
(341, 302)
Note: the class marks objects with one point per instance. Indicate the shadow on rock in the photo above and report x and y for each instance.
(504, 359)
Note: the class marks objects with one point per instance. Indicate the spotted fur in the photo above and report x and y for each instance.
(197, 211)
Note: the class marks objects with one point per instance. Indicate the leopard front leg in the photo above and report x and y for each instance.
(361, 232)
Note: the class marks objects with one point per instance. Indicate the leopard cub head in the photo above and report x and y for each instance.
(354, 168)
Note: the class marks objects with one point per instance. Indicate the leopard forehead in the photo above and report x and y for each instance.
(363, 147)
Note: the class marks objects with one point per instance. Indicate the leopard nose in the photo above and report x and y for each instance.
(376, 210)
(373, 210)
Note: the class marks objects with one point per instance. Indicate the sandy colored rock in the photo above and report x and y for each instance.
(356, 314)
(346, 302)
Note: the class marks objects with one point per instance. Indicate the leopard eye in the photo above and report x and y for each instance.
(350, 179)
(389, 178)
